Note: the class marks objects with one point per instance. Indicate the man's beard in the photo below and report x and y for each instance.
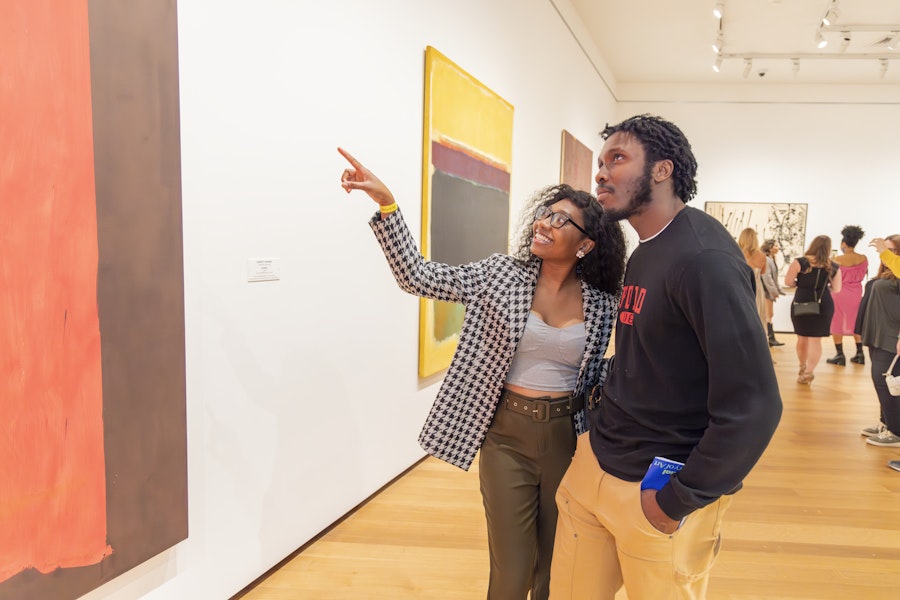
(640, 198)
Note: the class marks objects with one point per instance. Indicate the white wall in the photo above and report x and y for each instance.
(303, 395)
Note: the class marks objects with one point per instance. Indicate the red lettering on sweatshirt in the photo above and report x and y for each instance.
(631, 303)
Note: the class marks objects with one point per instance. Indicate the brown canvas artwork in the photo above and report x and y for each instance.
(576, 163)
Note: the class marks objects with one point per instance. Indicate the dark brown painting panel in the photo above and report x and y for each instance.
(140, 292)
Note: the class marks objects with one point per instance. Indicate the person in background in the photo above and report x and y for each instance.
(535, 331)
(748, 241)
(879, 326)
(854, 269)
(814, 275)
(770, 284)
(888, 254)
(692, 381)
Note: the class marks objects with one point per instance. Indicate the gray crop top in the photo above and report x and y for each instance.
(548, 358)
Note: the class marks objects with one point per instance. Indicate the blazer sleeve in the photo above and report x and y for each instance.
(424, 278)
(769, 282)
(891, 261)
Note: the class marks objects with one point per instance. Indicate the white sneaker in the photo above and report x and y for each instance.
(885, 438)
(874, 430)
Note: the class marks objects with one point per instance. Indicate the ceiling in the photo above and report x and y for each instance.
(670, 41)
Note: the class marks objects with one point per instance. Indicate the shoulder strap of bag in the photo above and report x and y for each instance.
(816, 289)
(805, 264)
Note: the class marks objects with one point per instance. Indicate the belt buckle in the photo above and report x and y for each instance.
(541, 411)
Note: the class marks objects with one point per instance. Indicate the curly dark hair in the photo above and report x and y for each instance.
(663, 140)
(767, 245)
(851, 234)
(604, 266)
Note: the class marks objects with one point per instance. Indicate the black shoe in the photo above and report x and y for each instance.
(838, 359)
(774, 342)
(859, 359)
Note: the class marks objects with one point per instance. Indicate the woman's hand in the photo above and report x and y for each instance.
(879, 244)
(357, 177)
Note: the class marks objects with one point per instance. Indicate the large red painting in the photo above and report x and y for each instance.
(53, 505)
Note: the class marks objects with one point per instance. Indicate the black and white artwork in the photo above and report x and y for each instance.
(783, 222)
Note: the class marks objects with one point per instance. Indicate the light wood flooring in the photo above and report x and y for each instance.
(818, 518)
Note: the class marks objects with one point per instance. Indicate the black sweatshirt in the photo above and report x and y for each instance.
(692, 378)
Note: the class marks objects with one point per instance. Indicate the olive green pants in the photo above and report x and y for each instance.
(520, 465)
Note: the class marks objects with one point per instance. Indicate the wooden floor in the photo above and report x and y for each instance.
(818, 518)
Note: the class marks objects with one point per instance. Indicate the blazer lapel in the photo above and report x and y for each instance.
(521, 296)
(592, 321)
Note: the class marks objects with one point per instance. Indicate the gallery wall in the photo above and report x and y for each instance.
(303, 395)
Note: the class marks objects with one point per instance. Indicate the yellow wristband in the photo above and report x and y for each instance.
(386, 210)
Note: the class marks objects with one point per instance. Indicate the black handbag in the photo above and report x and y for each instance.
(803, 309)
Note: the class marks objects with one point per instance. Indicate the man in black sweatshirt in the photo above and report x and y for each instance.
(692, 382)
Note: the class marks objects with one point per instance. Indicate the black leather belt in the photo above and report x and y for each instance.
(541, 409)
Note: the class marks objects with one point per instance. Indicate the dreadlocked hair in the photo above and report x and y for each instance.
(663, 140)
(604, 266)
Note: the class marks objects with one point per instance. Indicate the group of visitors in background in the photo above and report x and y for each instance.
(835, 282)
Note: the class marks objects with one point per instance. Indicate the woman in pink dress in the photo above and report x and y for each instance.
(854, 269)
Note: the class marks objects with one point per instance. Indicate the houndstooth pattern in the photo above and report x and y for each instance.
(497, 293)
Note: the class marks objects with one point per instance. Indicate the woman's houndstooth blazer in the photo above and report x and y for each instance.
(497, 293)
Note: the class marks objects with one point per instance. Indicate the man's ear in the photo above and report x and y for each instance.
(662, 170)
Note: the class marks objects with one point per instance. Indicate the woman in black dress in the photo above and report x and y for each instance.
(815, 276)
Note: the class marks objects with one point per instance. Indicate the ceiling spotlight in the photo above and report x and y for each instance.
(845, 40)
(831, 16)
(893, 42)
(718, 44)
(748, 65)
(795, 66)
(717, 66)
(821, 42)
(719, 10)
(884, 66)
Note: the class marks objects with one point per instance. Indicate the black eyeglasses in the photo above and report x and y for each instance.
(557, 219)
